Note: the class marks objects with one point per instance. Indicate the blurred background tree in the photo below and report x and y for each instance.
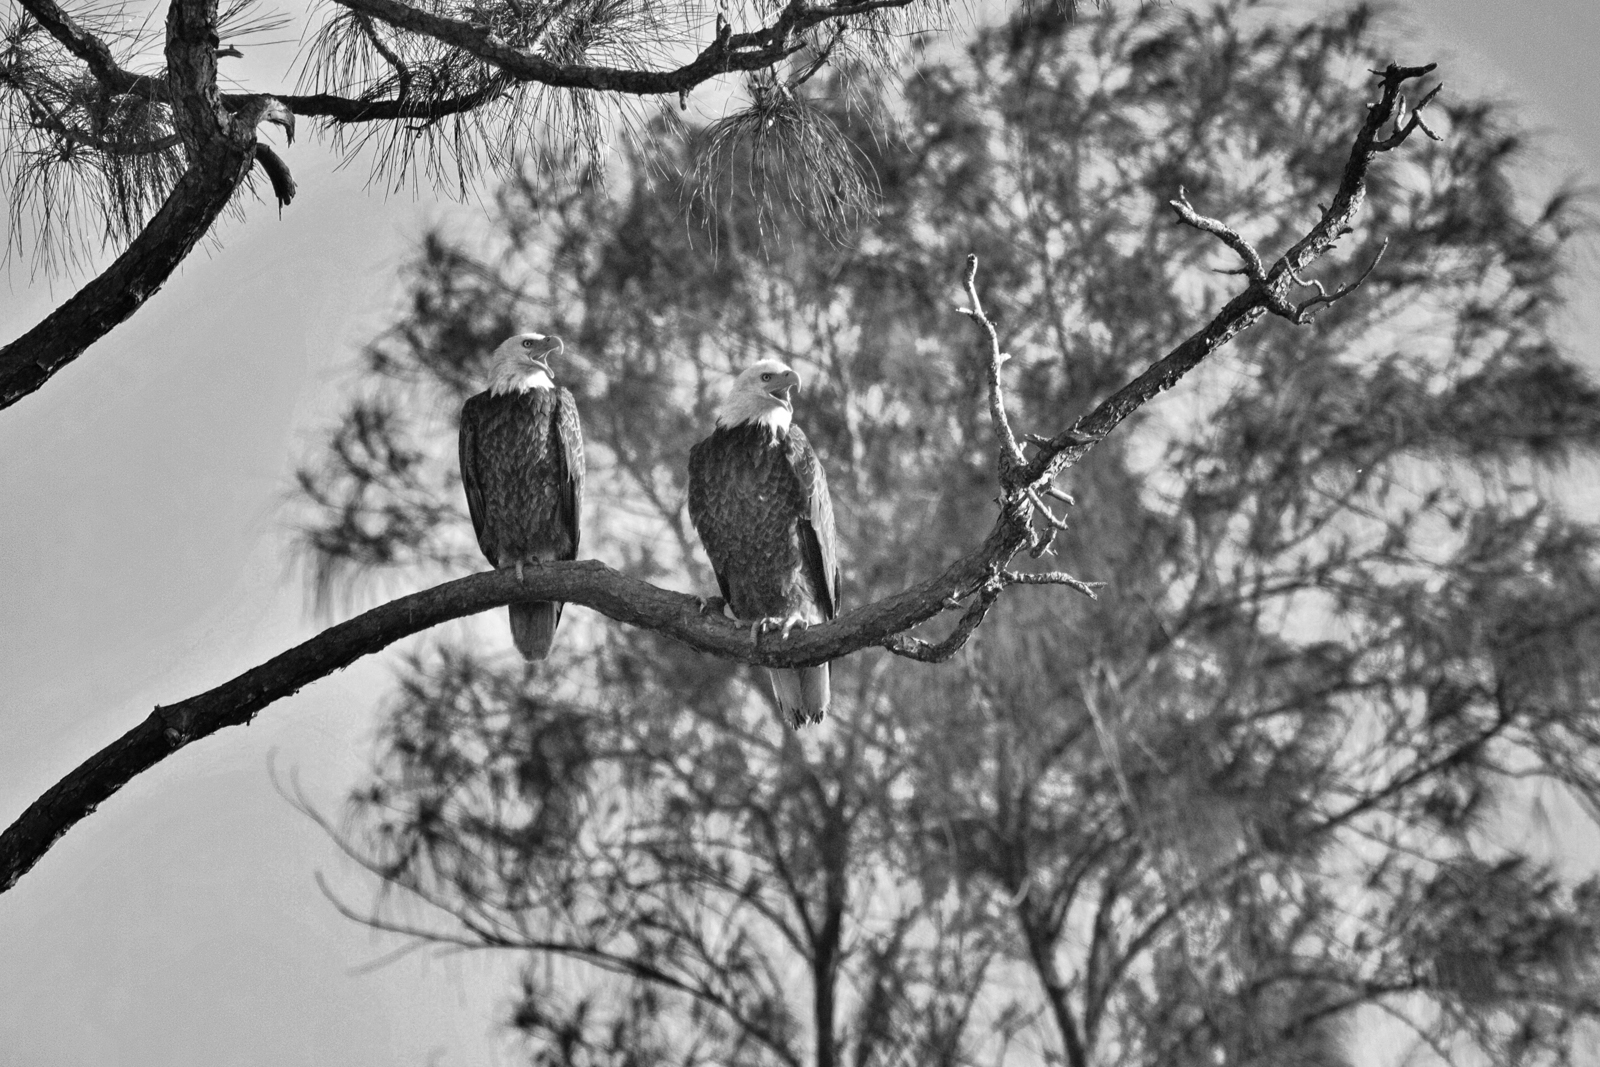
(1267, 795)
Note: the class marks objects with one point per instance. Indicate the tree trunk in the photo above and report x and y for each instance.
(1041, 951)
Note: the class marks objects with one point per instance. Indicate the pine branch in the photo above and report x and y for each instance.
(727, 52)
(220, 154)
(93, 52)
(345, 109)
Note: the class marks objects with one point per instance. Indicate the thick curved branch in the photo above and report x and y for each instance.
(727, 51)
(589, 583)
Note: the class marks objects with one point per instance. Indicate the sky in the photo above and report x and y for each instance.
(143, 559)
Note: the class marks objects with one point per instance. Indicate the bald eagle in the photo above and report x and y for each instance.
(759, 500)
(522, 468)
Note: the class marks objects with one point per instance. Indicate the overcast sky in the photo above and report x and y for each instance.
(142, 560)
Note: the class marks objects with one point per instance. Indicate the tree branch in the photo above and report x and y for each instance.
(221, 147)
(350, 109)
(1010, 455)
(45, 119)
(588, 583)
(727, 51)
(194, 204)
(93, 51)
(1268, 293)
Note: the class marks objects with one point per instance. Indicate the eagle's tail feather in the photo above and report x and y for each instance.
(803, 694)
(533, 627)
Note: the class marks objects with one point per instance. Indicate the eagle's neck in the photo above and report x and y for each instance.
(516, 380)
(759, 408)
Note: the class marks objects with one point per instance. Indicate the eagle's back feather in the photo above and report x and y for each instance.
(522, 468)
(761, 507)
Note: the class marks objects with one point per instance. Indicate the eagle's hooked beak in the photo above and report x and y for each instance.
(542, 360)
(781, 390)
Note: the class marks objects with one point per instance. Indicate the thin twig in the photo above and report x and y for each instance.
(1223, 232)
(1010, 454)
(1088, 589)
(1303, 312)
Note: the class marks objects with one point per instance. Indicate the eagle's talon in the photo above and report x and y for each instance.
(783, 624)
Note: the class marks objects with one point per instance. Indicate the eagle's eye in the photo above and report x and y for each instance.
(766, 377)
(528, 343)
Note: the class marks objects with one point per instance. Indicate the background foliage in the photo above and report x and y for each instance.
(1244, 807)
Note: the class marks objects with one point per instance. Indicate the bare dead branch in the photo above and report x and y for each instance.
(1405, 125)
(1088, 589)
(1261, 296)
(1054, 524)
(1223, 232)
(1010, 454)
(1303, 312)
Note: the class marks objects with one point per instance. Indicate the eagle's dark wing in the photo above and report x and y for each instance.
(704, 480)
(471, 423)
(818, 547)
(570, 434)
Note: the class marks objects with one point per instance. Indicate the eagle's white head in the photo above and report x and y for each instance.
(760, 394)
(522, 363)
